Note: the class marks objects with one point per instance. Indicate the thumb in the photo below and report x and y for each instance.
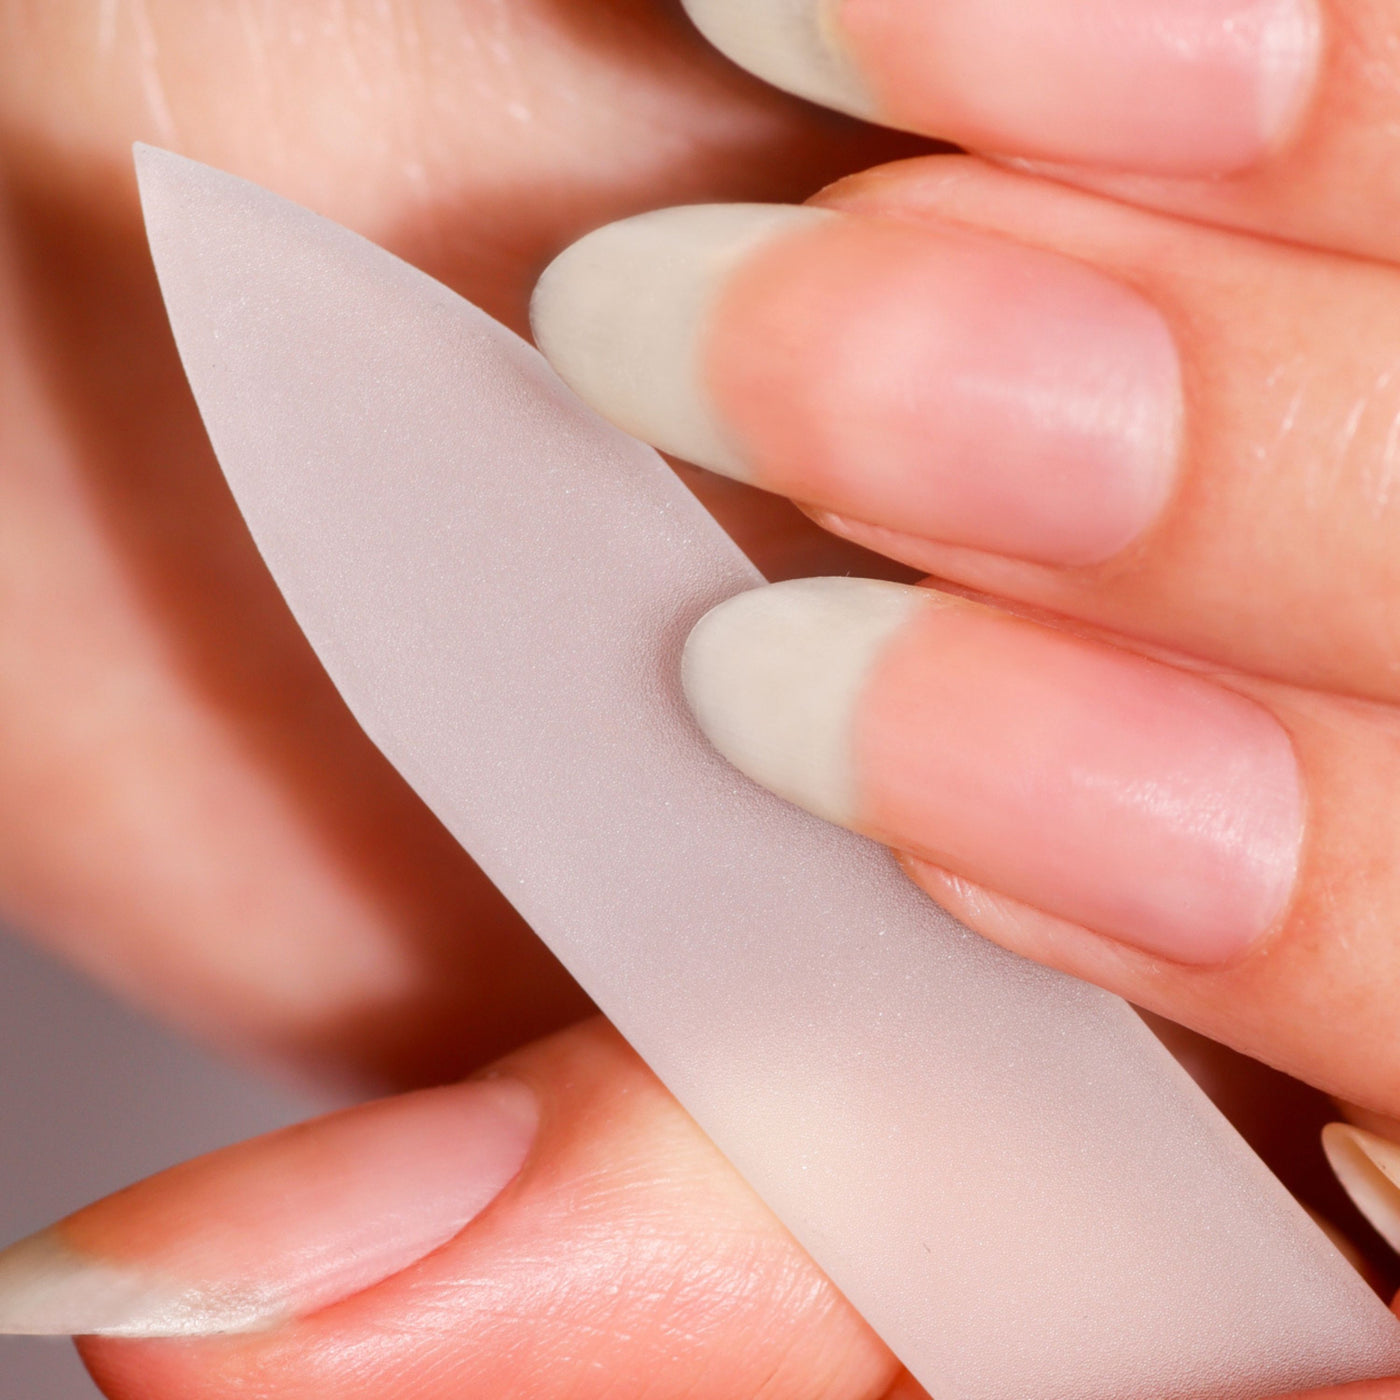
(559, 1229)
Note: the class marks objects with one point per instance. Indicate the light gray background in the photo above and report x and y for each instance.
(92, 1098)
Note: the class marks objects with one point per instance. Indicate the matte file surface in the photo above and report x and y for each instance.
(1000, 1166)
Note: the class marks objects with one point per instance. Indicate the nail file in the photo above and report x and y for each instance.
(1000, 1166)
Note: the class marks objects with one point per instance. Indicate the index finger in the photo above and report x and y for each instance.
(1277, 116)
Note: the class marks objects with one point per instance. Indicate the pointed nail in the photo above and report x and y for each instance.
(793, 44)
(1187, 87)
(622, 316)
(275, 1228)
(1119, 794)
(957, 387)
(48, 1289)
(1368, 1168)
(774, 678)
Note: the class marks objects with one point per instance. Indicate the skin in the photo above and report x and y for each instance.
(189, 814)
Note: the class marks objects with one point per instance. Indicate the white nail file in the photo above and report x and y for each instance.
(1002, 1169)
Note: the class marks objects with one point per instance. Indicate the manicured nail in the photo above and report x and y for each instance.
(1136, 800)
(796, 45)
(962, 388)
(1187, 87)
(281, 1226)
(1368, 1168)
(622, 315)
(775, 676)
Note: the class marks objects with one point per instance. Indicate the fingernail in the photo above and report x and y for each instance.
(622, 316)
(962, 388)
(248, 1237)
(796, 45)
(1185, 87)
(774, 678)
(1368, 1168)
(1117, 793)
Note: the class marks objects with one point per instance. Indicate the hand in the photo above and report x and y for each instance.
(1146, 728)
(622, 1256)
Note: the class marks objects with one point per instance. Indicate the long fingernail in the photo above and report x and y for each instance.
(623, 313)
(1368, 1168)
(793, 44)
(281, 1226)
(1189, 87)
(1120, 794)
(962, 388)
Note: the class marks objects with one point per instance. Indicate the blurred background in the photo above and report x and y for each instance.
(91, 1099)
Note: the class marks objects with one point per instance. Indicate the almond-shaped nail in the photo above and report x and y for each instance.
(964, 388)
(1368, 1168)
(623, 313)
(274, 1228)
(1184, 87)
(1136, 800)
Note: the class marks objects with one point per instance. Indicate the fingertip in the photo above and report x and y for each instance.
(1177, 87)
(794, 46)
(627, 1258)
(774, 678)
(623, 315)
(1368, 1168)
(245, 1238)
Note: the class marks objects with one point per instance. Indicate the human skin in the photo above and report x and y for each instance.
(192, 817)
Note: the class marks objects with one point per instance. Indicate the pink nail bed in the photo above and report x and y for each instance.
(1138, 800)
(1183, 87)
(964, 388)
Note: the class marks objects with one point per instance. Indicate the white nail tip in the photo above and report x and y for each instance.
(792, 44)
(1368, 1168)
(775, 676)
(622, 316)
(48, 1289)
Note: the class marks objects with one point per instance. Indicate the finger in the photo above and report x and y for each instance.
(623, 1259)
(1203, 87)
(245, 1238)
(1173, 433)
(188, 811)
(1273, 115)
(1215, 849)
(557, 1230)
